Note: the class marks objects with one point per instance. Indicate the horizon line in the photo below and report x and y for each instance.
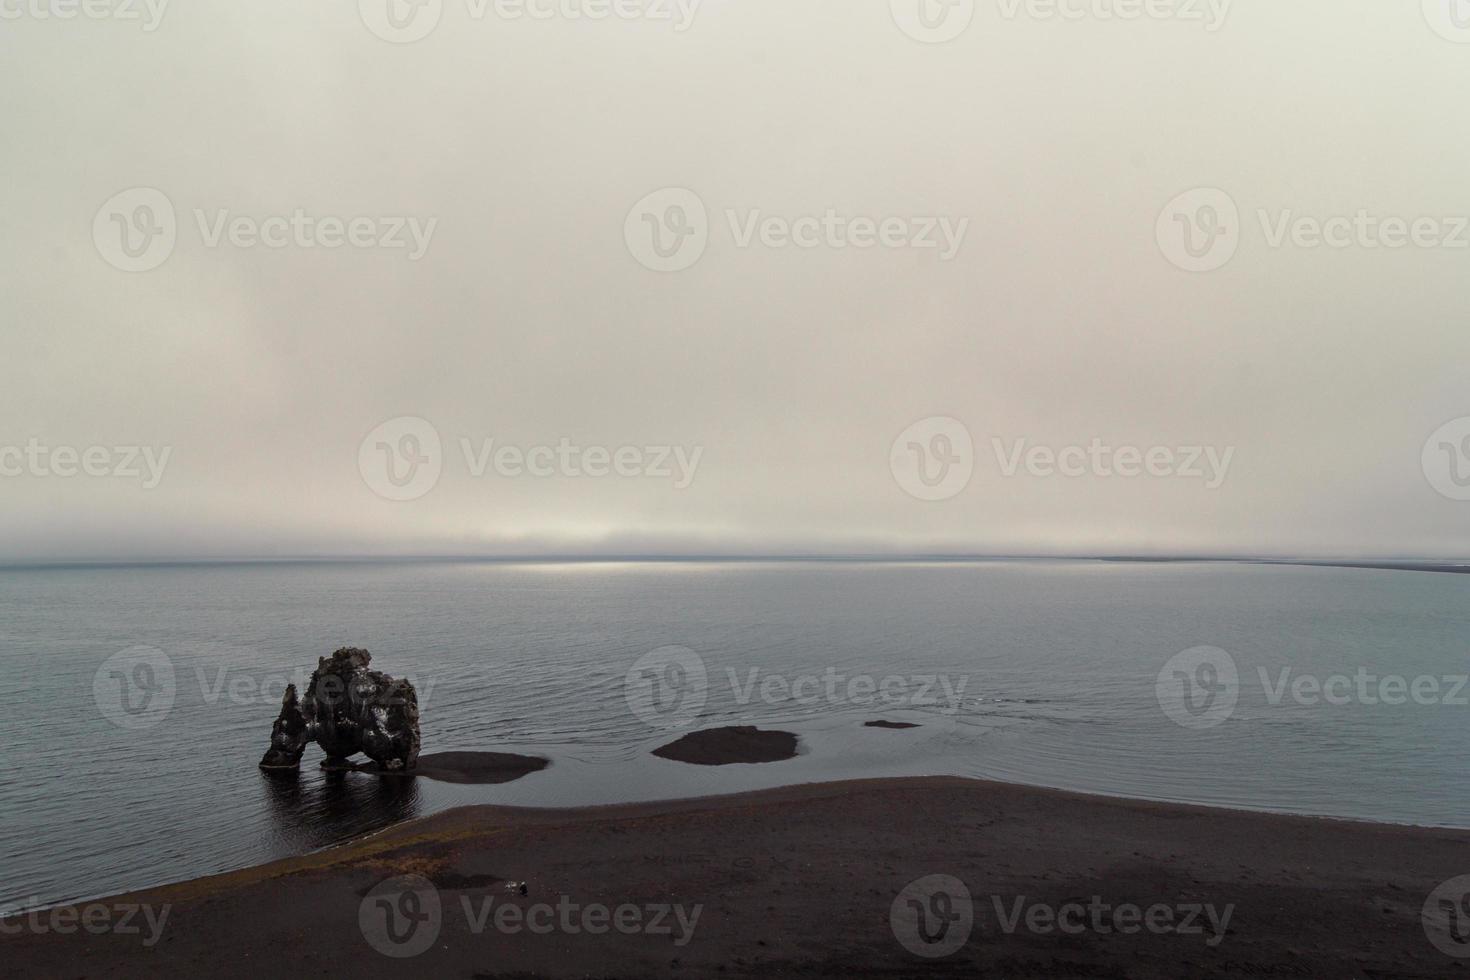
(573, 558)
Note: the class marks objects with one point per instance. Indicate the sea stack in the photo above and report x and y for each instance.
(348, 709)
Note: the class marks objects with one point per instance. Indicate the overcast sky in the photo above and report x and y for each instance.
(1004, 267)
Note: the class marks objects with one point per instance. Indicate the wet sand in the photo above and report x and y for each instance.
(805, 881)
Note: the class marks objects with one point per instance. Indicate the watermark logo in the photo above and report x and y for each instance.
(933, 459)
(933, 21)
(94, 919)
(1446, 917)
(138, 688)
(1366, 688)
(1446, 459)
(1201, 687)
(1106, 918)
(402, 459)
(678, 464)
(939, 691)
(401, 21)
(1100, 460)
(149, 13)
(41, 461)
(1363, 229)
(407, 21)
(136, 229)
(668, 231)
(667, 688)
(135, 688)
(1198, 688)
(1211, 13)
(1450, 19)
(679, 13)
(303, 230)
(401, 917)
(837, 231)
(933, 916)
(1199, 231)
(572, 918)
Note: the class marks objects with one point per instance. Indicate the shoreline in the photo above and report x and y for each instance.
(784, 873)
(345, 846)
(350, 843)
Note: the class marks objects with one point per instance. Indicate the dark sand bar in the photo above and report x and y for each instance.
(802, 881)
(735, 745)
(470, 768)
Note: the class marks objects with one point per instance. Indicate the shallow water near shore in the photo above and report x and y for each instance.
(1040, 672)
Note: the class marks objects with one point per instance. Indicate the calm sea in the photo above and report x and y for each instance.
(136, 701)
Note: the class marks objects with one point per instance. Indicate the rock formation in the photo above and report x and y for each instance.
(348, 709)
(288, 735)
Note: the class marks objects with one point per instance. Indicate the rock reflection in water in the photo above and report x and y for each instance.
(313, 809)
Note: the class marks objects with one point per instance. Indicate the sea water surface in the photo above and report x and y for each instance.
(1040, 672)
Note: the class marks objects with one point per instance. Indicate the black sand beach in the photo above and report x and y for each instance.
(808, 881)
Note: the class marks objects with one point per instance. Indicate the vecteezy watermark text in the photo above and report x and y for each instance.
(568, 459)
(667, 688)
(403, 459)
(137, 230)
(147, 13)
(1364, 687)
(1073, 918)
(669, 231)
(137, 688)
(1201, 230)
(935, 916)
(403, 916)
(1211, 14)
(1201, 687)
(832, 687)
(38, 460)
(940, 21)
(1099, 459)
(407, 21)
(93, 918)
(934, 459)
(301, 229)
